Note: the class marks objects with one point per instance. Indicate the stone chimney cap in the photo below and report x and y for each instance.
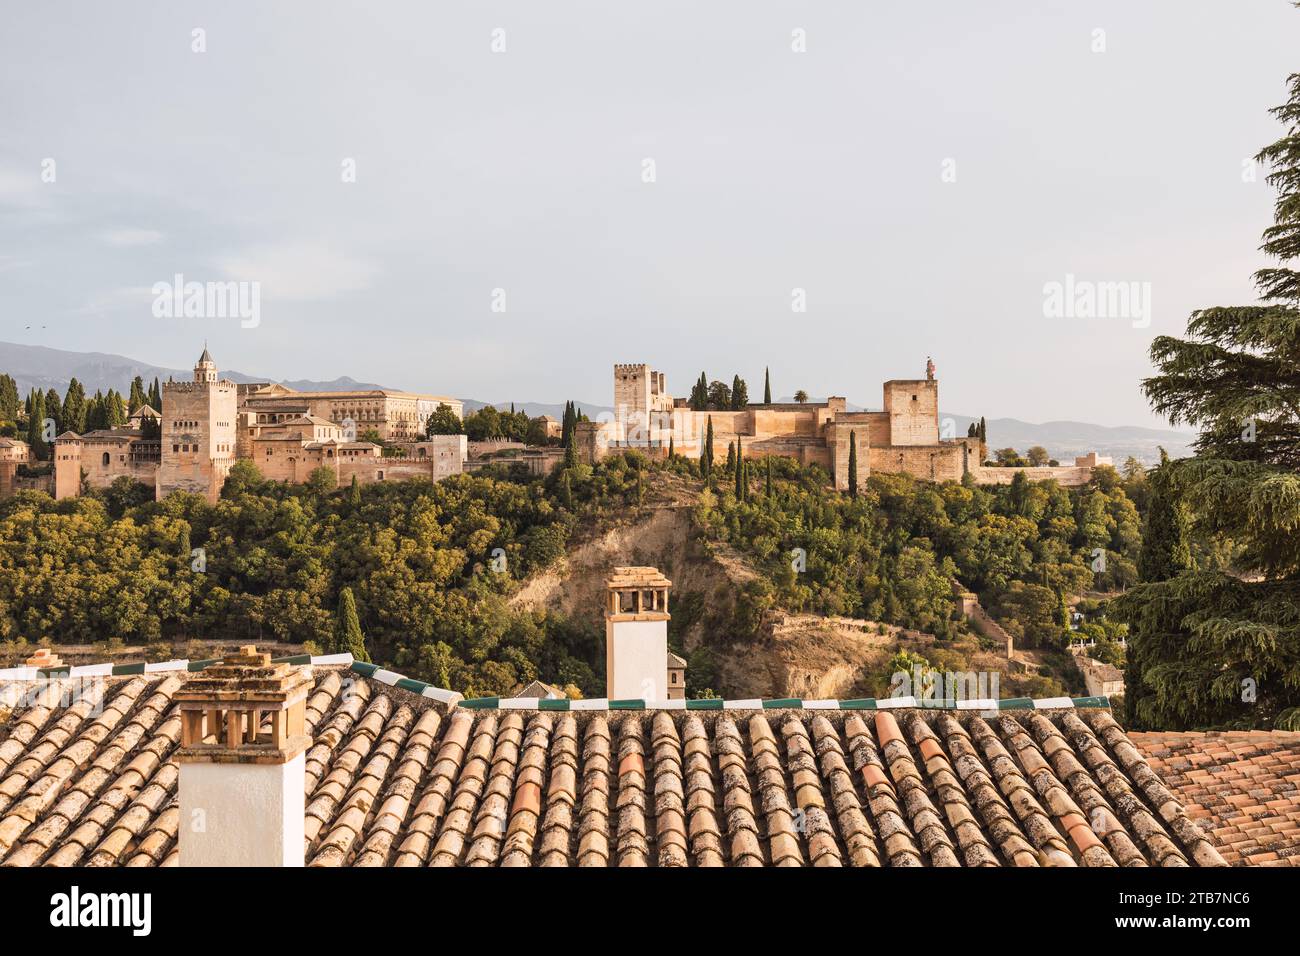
(637, 577)
(247, 676)
(44, 657)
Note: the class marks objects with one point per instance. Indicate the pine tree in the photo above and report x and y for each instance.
(1218, 648)
(347, 629)
(36, 425)
(767, 386)
(853, 464)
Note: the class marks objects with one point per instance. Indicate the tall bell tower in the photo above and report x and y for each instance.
(198, 432)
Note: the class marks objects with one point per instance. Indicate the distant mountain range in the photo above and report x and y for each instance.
(35, 366)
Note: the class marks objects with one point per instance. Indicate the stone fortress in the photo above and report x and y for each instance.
(209, 423)
(906, 437)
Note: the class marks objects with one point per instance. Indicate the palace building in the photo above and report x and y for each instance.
(209, 423)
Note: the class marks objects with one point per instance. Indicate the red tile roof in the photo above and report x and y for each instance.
(1242, 787)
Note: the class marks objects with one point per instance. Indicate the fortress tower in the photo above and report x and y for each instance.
(198, 432)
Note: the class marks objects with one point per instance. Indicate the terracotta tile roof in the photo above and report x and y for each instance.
(1242, 787)
(392, 778)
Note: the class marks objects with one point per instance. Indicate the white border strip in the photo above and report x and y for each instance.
(821, 705)
(747, 704)
(517, 703)
(595, 703)
(978, 703)
(887, 703)
(442, 696)
(92, 670)
(163, 666)
(1048, 703)
(20, 673)
(665, 704)
(386, 677)
(325, 660)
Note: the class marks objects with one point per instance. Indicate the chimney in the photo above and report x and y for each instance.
(241, 758)
(44, 657)
(636, 635)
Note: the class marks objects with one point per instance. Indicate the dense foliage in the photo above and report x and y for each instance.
(1222, 646)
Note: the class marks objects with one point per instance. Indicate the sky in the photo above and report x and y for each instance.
(502, 200)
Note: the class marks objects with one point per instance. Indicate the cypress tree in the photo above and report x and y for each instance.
(347, 629)
(9, 400)
(739, 394)
(74, 408)
(137, 396)
(706, 456)
(354, 494)
(768, 490)
(767, 386)
(734, 459)
(672, 451)
(731, 456)
(155, 395)
(853, 464)
(54, 410)
(36, 425)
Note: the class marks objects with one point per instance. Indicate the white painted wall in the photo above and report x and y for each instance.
(242, 814)
(636, 660)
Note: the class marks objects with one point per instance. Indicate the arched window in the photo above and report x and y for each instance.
(106, 459)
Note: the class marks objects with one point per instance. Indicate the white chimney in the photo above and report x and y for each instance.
(636, 635)
(241, 783)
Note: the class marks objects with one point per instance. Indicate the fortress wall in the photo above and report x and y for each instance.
(912, 407)
(932, 462)
(1065, 475)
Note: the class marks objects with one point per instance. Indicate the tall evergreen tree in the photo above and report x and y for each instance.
(347, 629)
(734, 458)
(672, 450)
(155, 395)
(36, 425)
(853, 464)
(54, 410)
(731, 456)
(10, 402)
(74, 408)
(739, 394)
(138, 396)
(706, 455)
(1219, 648)
(767, 386)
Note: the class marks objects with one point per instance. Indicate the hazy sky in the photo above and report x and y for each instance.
(829, 170)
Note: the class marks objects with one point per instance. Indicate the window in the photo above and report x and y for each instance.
(105, 459)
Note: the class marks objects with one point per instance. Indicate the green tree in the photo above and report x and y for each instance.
(706, 454)
(735, 460)
(74, 408)
(1232, 654)
(1038, 456)
(853, 464)
(739, 394)
(36, 425)
(801, 396)
(767, 386)
(444, 421)
(347, 629)
(10, 402)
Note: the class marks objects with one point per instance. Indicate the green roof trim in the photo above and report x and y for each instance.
(481, 703)
(199, 665)
(128, 669)
(860, 703)
(414, 686)
(705, 703)
(549, 703)
(292, 659)
(1016, 703)
(782, 703)
(364, 669)
(1092, 702)
(629, 704)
